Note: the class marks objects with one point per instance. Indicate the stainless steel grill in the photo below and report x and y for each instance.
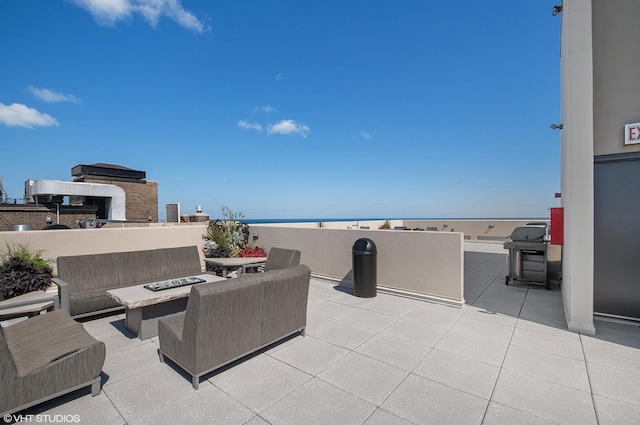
(528, 255)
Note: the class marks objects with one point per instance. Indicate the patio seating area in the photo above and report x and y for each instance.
(506, 357)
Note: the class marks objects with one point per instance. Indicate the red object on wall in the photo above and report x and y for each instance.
(557, 226)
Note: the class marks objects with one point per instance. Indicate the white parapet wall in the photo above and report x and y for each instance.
(427, 265)
(56, 243)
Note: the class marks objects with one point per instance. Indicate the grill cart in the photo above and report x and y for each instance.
(528, 255)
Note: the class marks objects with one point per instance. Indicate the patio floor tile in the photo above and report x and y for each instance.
(459, 372)
(614, 383)
(369, 320)
(416, 331)
(545, 399)
(605, 353)
(339, 333)
(382, 417)
(422, 401)
(259, 381)
(316, 402)
(333, 310)
(136, 396)
(441, 318)
(488, 330)
(207, 405)
(394, 350)
(310, 355)
(498, 414)
(561, 370)
(364, 377)
(614, 412)
(547, 343)
(474, 347)
(98, 410)
(489, 315)
(129, 362)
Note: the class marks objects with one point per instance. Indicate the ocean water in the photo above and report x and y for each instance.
(328, 220)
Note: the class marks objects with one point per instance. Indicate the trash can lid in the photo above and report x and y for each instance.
(364, 246)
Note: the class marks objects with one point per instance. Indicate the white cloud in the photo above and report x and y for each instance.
(19, 115)
(264, 109)
(289, 127)
(279, 77)
(249, 125)
(109, 12)
(365, 135)
(51, 96)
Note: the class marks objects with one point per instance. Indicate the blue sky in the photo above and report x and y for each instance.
(290, 109)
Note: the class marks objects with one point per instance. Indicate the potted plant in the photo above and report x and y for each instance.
(229, 237)
(23, 271)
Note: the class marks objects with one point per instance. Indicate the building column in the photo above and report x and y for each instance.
(577, 164)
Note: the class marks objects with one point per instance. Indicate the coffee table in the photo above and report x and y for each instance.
(233, 262)
(144, 307)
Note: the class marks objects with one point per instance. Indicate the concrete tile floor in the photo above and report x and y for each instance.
(506, 357)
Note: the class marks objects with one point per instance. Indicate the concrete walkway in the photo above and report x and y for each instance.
(505, 358)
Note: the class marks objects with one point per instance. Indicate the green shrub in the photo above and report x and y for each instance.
(23, 271)
(385, 225)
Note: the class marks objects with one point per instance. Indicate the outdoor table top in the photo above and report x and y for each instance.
(31, 302)
(139, 296)
(232, 262)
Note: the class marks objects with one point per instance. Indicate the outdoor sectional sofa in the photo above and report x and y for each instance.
(83, 280)
(44, 357)
(227, 320)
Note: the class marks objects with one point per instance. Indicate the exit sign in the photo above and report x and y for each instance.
(632, 134)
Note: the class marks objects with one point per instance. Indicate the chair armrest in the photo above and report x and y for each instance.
(63, 294)
(30, 298)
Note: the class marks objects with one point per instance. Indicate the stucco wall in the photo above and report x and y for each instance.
(425, 264)
(616, 67)
(55, 243)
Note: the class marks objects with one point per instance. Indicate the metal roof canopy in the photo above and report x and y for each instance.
(108, 170)
(115, 195)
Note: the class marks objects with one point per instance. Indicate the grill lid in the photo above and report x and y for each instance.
(528, 234)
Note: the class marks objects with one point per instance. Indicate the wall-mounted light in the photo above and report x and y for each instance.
(491, 226)
(556, 126)
(556, 9)
(48, 219)
(445, 225)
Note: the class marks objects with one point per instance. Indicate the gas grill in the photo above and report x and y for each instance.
(528, 255)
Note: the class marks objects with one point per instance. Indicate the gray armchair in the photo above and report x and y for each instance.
(281, 258)
(44, 357)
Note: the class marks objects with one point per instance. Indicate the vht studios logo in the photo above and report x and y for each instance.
(45, 419)
(632, 134)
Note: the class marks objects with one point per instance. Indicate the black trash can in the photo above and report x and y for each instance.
(365, 274)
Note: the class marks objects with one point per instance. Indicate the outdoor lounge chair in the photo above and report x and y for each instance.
(281, 258)
(44, 357)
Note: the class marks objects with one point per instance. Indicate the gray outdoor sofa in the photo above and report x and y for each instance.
(83, 280)
(44, 357)
(227, 320)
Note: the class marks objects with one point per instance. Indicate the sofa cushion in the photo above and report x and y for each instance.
(90, 301)
(35, 342)
(85, 272)
(137, 267)
(181, 261)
